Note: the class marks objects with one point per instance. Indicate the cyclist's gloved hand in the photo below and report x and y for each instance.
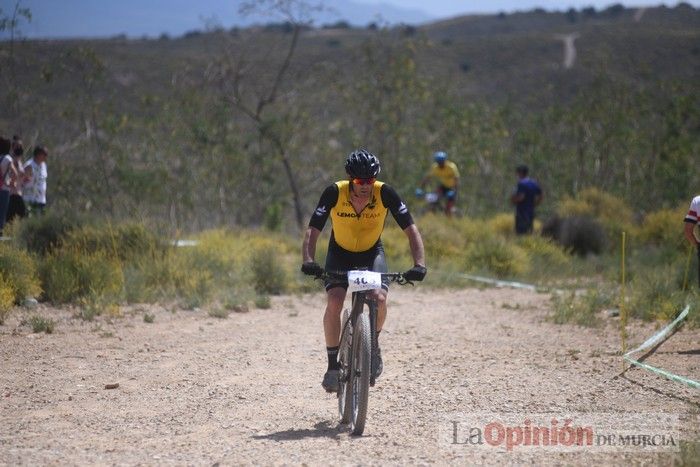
(416, 273)
(450, 193)
(311, 268)
(419, 192)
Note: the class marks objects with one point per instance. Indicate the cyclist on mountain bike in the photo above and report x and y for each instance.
(447, 173)
(357, 207)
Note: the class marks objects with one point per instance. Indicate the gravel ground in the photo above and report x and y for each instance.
(197, 390)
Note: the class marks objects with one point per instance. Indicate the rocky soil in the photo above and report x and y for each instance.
(198, 390)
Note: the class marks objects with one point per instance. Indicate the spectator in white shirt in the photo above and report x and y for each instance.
(34, 189)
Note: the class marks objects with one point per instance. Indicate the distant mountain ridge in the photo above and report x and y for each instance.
(137, 18)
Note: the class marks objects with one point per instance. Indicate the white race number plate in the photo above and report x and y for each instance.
(364, 280)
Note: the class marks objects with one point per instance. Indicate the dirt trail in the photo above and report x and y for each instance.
(569, 49)
(246, 390)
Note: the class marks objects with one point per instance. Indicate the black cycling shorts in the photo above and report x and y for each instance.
(443, 190)
(341, 260)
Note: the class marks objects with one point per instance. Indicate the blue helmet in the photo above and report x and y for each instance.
(440, 156)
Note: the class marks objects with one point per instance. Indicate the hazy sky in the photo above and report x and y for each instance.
(452, 7)
(136, 18)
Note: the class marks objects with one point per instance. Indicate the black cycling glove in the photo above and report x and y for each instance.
(416, 273)
(311, 268)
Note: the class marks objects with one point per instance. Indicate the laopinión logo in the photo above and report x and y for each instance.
(562, 432)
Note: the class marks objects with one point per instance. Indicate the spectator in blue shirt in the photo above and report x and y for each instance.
(526, 196)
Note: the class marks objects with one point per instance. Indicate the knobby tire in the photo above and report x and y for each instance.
(345, 383)
(361, 359)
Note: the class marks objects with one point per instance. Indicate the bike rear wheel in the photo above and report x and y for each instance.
(344, 359)
(360, 373)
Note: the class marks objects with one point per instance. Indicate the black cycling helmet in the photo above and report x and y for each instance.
(362, 164)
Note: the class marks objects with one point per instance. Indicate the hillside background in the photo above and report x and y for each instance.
(202, 130)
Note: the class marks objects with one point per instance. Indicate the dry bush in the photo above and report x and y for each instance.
(19, 272)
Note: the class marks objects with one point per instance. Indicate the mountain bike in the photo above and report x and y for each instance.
(357, 352)
(432, 202)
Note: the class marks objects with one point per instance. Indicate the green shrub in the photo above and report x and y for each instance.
(138, 287)
(7, 298)
(220, 252)
(89, 309)
(582, 310)
(19, 271)
(664, 228)
(237, 300)
(498, 256)
(220, 313)
(149, 318)
(242, 260)
(130, 247)
(69, 275)
(503, 225)
(263, 302)
(127, 242)
(543, 249)
(88, 313)
(195, 287)
(656, 294)
(162, 277)
(446, 240)
(266, 265)
(191, 274)
(43, 234)
(94, 305)
(41, 324)
(597, 204)
(442, 237)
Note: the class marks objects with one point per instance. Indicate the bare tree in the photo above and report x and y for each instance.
(253, 94)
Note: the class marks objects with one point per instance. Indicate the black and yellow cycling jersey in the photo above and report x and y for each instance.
(358, 231)
(448, 174)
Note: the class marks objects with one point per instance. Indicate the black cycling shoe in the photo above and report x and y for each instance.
(331, 380)
(379, 364)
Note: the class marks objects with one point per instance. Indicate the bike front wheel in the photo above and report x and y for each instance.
(345, 383)
(360, 373)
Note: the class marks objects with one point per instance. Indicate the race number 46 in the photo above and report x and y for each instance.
(364, 280)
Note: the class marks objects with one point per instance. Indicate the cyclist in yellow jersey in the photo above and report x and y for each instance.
(358, 207)
(447, 174)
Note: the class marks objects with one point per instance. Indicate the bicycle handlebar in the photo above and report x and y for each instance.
(397, 277)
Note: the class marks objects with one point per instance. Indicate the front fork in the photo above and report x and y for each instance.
(346, 347)
(373, 333)
(357, 309)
